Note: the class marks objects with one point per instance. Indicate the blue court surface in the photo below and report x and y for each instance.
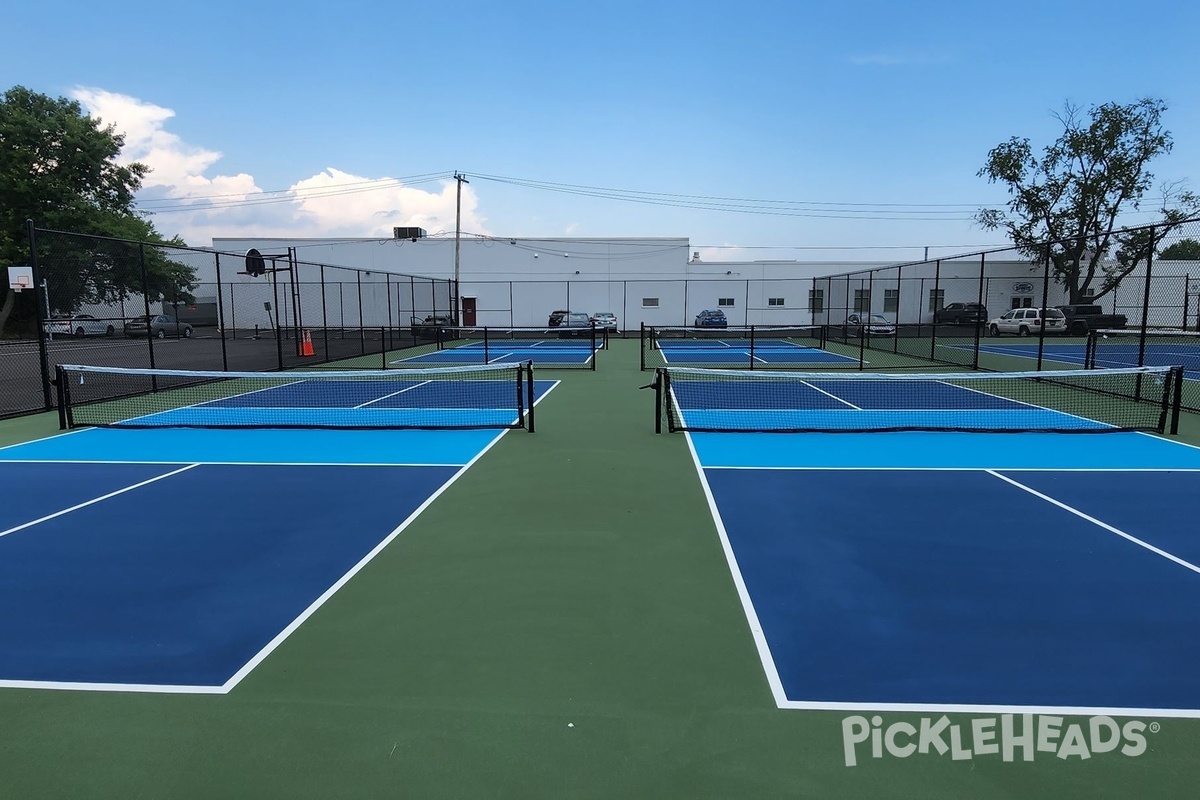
(838, 404)
(976, 572)
(737, 352)
(546, 352)
(176, 560)
(394, 400)
(1109, 354)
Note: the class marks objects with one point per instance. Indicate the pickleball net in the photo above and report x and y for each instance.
(1069, 401)
(484, 396)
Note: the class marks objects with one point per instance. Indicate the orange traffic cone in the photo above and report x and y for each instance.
(306, 348)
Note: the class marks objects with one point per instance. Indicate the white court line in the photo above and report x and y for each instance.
(780, 695)
(756, 629)
(1098, 523)
(58, 435)
(393, 394)
(95, 500)
(328, 593)
(834, 396)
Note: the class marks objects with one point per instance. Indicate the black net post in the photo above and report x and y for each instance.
(666, 399)
(530, 391)
(658, 396)
(751, 347)
(1089, 350)
(521, 395)
(60, 385)
(593, 359)
(1177, 400)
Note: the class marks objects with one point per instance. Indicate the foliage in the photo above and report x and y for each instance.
(62, 169)
(1183, 250)
(1066, 204)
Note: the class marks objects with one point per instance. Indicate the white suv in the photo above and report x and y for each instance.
(1026, 321)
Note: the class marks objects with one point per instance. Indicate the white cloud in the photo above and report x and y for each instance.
(330, 203)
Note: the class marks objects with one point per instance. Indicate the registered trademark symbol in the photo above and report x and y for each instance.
(1155, 727)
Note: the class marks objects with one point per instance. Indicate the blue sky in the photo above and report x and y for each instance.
(838, 105)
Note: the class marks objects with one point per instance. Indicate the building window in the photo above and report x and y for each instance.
(862, 299)
(891, 299)
(937, 299)
(727, 302)
(774, 301)
(816, 300)
(649, 302)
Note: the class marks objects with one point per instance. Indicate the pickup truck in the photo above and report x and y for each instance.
(1084, 318)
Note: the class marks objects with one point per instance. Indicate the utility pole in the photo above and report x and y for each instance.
(457, 242)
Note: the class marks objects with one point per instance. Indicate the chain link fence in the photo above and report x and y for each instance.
(108, 302)
(98, 298)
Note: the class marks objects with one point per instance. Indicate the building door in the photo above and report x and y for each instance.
(468, 312)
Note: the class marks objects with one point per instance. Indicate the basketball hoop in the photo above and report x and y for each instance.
(20, 278)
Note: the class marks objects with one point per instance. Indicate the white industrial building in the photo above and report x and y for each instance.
(662, 281)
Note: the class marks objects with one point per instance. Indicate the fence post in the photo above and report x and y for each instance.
(1146, 301)
(41, 294)
(277, 332)
(896, 338)
(146, 306)
(937, 288)
(324, 316)
(220, 313)
(1045, 293)
(362, 330)
(982, 271)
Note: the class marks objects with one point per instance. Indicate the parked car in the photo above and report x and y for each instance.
(78, 325)
(871, 324)
(711, 319)
(577, 323)
(1084, 318)
(556, 318)
(428, 328)
(1026, 321)
(961, 313)
(605, 319)
(160, 327)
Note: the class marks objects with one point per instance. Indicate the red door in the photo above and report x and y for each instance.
(468, 312)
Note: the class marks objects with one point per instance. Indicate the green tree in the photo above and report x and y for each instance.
(60, 168)
(1183, 250)
(1069, 199)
